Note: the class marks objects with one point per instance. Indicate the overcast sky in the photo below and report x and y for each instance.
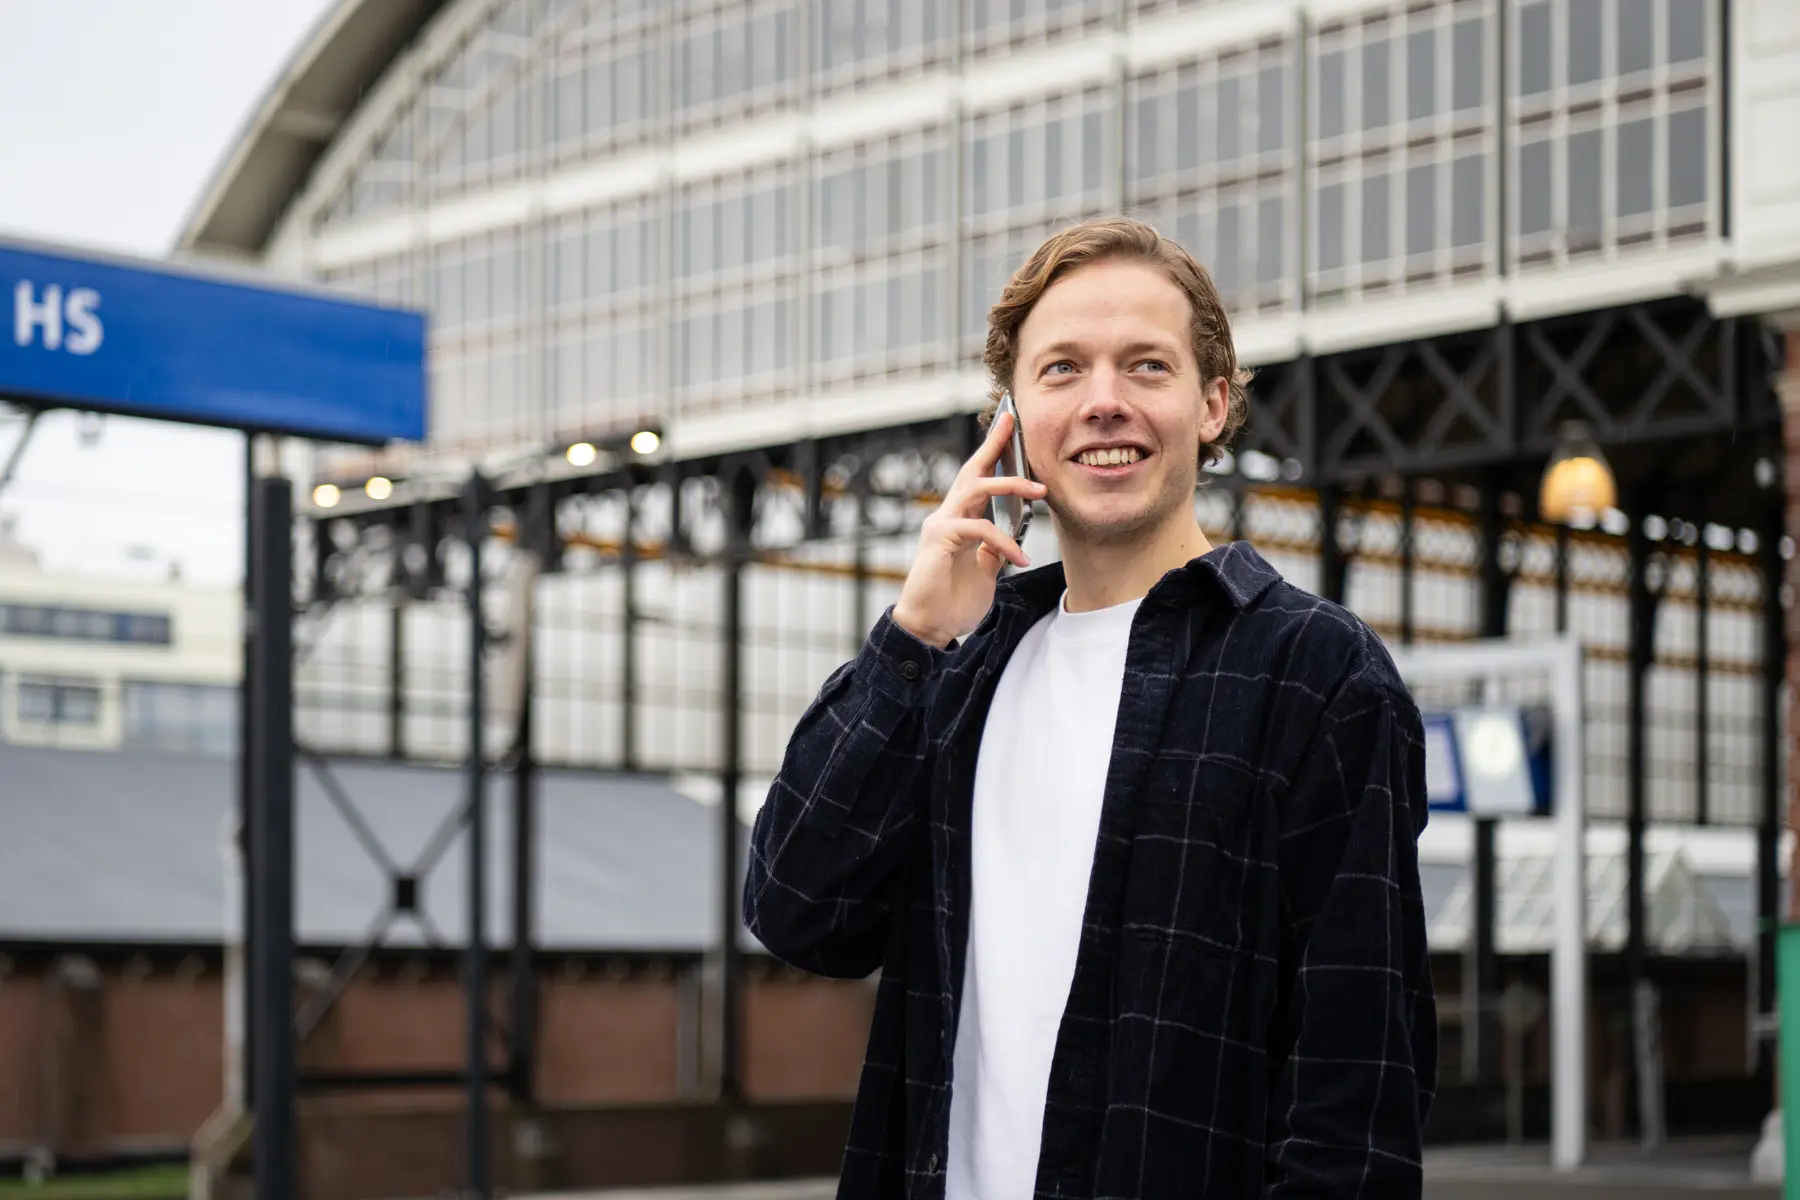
(113, 114)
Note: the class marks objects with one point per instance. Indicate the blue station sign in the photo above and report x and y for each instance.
(160, 341)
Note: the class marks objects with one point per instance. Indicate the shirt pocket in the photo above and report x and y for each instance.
(1194, 876)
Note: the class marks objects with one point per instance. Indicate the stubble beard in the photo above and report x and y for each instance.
(1142, 526)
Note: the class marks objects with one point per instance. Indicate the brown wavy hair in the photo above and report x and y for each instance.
(1105, 239)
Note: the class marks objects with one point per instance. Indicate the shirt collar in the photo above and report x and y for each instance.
(1234, 570)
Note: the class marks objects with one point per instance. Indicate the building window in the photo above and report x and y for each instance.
(1210, 158)
(85, 624)
(734, 57)
(854, 40)
(48, 701)
(990, 25)
(1039, 161)
(180, 718)
(474, 106)
(886, 317)
(1401, 149)
(1613, 122)
(882, 198)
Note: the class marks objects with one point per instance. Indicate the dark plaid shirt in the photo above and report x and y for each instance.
(1251, 1013)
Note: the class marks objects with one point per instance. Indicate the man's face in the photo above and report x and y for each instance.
(1111, 400)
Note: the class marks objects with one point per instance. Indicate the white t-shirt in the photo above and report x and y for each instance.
(1039, 780)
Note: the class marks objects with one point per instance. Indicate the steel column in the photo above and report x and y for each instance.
(1642, 637)
(271, 882)
(1702, 667)
(1481, 962)
(246, 757)
(1408, 558)
(739, 499)
(1333, 567)
(1769, 816)
(475, 517)
(523, 1025)
(397, 676)
(628, 558)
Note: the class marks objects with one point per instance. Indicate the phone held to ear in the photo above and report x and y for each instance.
(1012, 514)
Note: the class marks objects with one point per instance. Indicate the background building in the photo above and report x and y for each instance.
(768, 231)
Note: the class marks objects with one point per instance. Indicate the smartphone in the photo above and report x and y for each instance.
(1012, 513)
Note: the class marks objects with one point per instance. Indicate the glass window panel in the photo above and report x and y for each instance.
(903, 310)
(733, 232)
(568, 387)
(1015, 169)
(1146, 138)
(1421, 209)
(731, 344)
(630, 79)
(871, 321)
(508, 135)
(1271, 235)
(1421, 74)
(1187, 128)
(478, 277)
(507, 270)
(1584, 41)
(597, 83)
(1375, 84)
(569, 106)
(1535, 205)
(1534, 48)
(978, 173)
(765, 226)
(1467, 196)
(1376, 215)
(1469, 65)
(930, 186)
(1582, 166)
(1637, 37)
(1687, 158)
(1331, 227)
(1270, 96)
(1093, 159)
(1687, 30)
(761, 335)
(1056, 134)
(1636, 160)
(1230, 119)
(1227, 270)
(1331, 94)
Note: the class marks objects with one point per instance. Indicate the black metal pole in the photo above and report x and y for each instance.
(246, 784)
(628, 558)
(523, 1026)
(1769, 818)
(271, 875)
(1482, 959)
(397, 676)
(730, 959)
(1408, 558)
(1333, 570)
(1642, 638)
(859, 579)
(1702, 673)
(1562, 579)
(475, 532)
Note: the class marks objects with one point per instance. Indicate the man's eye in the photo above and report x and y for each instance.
(1057, 368)
(1158, 364)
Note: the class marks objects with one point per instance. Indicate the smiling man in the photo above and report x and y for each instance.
(1131, 837)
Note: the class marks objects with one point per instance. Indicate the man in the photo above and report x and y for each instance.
(1136, 856)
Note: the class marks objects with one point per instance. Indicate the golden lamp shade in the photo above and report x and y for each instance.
(1578, 482)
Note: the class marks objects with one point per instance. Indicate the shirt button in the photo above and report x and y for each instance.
(909, 670)
(931, 1166)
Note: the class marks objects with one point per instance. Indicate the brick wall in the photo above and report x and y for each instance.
(128, 1050)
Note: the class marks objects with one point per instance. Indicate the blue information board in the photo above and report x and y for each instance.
(159, 341)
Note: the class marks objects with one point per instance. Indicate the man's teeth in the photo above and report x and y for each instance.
(1116, 457)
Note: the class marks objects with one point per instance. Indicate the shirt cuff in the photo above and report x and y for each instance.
(897, 664)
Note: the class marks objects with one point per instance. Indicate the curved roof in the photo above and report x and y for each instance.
(298, 118)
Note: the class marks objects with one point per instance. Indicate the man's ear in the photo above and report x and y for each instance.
(1215, 396)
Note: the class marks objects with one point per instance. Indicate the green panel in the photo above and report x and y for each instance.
(1787, 1007)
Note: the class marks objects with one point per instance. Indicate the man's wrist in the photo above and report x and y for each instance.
(920, 630)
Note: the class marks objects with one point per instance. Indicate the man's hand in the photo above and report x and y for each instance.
(951, 584)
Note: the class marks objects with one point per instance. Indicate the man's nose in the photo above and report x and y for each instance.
(1105, 399)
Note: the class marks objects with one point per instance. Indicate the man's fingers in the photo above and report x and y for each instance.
(988, 453)
(971, 496)
(974, 529)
